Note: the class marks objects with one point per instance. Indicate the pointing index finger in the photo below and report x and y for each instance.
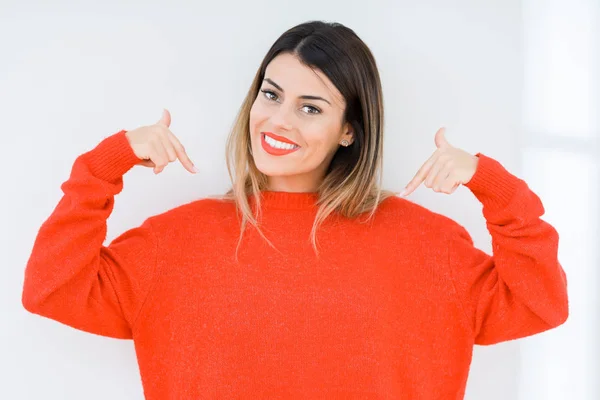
(412, 185)
(420, 176)
(182, 155)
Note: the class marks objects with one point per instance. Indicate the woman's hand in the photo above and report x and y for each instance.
(156, 146)
(446, 169)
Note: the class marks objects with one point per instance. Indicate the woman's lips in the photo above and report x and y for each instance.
(275, 151)
(280, 138)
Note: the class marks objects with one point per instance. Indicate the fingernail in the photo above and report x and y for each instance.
(402, 193)
(195, 169)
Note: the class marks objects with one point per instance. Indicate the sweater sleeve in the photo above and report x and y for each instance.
(71, 277)
(522, 289)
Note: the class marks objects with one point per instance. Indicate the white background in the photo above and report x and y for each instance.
(515, 80)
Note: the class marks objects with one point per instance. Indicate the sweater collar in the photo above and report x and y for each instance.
(288, 200)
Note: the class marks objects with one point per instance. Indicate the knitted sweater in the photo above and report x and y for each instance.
(389, 309)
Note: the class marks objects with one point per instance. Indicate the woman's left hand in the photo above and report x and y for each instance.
(446, 169)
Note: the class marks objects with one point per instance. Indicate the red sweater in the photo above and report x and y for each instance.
(390, 310)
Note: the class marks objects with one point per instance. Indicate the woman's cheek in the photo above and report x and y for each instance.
(253, 125)
(257, 116)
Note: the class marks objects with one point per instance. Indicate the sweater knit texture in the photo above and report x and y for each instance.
(388, 309)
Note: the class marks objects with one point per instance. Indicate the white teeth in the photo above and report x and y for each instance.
(279, 145)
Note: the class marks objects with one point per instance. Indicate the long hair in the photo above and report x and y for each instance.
(351, 185)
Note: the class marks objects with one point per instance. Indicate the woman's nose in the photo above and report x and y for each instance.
(281, 119)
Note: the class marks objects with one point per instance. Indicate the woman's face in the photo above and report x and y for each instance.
(296, 125)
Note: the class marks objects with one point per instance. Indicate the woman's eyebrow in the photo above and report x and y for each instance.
(307, 97)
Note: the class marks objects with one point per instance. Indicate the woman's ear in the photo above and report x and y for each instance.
(349, 135)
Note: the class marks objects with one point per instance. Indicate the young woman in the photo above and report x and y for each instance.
(306, 280)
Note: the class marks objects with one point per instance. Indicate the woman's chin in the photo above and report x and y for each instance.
(272, 172)
(274, 169)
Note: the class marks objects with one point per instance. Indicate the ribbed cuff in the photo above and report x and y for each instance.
(492, 184)
(112, 157)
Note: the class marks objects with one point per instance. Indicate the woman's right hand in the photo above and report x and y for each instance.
(156, 146)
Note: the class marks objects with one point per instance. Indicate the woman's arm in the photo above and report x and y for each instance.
(522, 289)
(71, 276)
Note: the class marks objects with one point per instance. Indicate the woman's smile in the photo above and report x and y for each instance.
(277, 145)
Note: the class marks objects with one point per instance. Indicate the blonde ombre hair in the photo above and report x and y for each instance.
(351, 186)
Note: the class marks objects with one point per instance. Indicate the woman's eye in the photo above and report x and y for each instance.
(311, 110)
(269, 95)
